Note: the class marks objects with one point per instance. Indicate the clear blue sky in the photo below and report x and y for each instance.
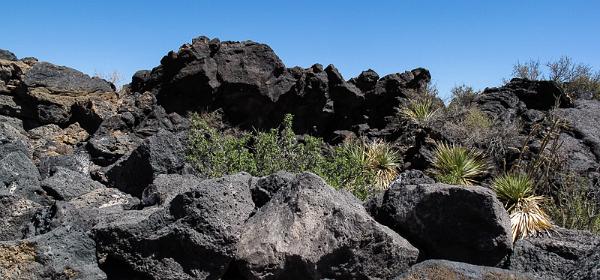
(471, 42)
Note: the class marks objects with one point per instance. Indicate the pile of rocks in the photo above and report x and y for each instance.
(94, 182)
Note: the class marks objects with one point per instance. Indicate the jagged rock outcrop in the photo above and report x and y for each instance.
(255, 89)
(466, 224)
(94, 183)
(7, 55)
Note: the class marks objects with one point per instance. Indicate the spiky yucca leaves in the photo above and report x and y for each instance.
(526, 215)
(457, 165)
(383, 160)
(420, 110)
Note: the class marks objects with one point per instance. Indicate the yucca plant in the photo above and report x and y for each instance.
(457, 165)
(383, 160)
(420, 110)
(526, 216)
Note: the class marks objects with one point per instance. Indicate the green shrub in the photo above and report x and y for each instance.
(360, 168)
(477, 120)
(462, 97)
(457, 165)
(214, 153)
(573, 207)
(526, 215)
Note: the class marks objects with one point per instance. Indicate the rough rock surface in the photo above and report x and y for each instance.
(242, 76)
(161, 153)
(558, 256)
(442, 269)
(310, 231)
(7, 55)
(54, 89)
(204, 222)
(93, 183)
(466, 224)
(66, 184)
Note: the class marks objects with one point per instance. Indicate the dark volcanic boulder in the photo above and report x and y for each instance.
(18, 174)
(466, 224)
(66, 184)
(557, 256)
(442, 269)
(7, 55)
(583, 131)
(193, 237)
(162, 153)
(16, 213)
(167, 186)
(79, 162)
(59, 245)
(516, 97)
(308, 230)
(52, 90)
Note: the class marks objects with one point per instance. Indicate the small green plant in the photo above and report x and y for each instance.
(475, 119)
(457, 165)
(462, 97)
(383, 161)
(574, 205)
(420, 110)
(527, 218)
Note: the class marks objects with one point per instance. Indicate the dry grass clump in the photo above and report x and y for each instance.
(526, 215)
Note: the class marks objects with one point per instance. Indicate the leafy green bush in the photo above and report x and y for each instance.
(526, 215)
(457, 165)
(356, 166)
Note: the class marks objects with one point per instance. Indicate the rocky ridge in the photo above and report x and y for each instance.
(94, 183)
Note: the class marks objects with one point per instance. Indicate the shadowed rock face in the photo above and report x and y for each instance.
(255, 89)
(466, 224)
(4, 54)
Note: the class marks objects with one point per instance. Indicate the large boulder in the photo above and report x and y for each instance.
(53, 90)
(18, 174)
(58, 244)
(7, 55)
(581, 135)
(559, 255)
(308, 230)
(443, 269)
(162, 153)
(191, 237)
(66, 184)
(465, 224)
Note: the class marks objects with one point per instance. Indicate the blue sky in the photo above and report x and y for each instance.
(471, 42)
